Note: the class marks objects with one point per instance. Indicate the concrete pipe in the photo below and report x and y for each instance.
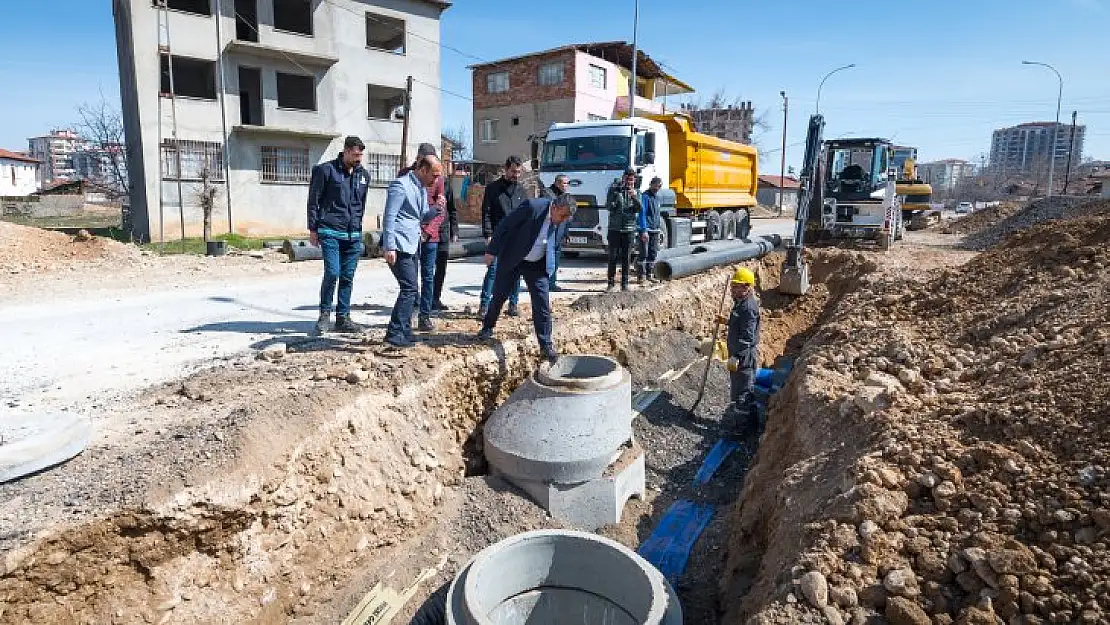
(565, 424)
(298, 253)
(32, 443)
(288, 245)
(544, 577)
(464, 248)
(682, 266)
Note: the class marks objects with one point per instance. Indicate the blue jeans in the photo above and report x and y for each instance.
(400, 322)
(340, 260)
(555, 269)
(427, 254)
(487, 287)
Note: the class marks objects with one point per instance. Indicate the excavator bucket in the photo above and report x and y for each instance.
(794, 279)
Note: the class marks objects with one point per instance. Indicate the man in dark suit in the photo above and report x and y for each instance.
(524, 245)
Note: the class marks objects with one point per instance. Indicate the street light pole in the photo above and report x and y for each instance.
(1056, 127)
(635, 53)
(782, 166)
(839, 69)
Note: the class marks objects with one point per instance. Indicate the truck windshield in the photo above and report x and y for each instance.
(854, 163)
(597, 152)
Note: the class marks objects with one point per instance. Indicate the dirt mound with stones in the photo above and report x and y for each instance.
(29, 249)
(989, 227)
(941, 454)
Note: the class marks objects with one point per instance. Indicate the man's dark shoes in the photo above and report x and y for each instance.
(400, 342)
(323, 324)
(344, 324)
(610, 288)
(484, 334)
(554, 288)
(549, 354)
(513, 311)
(482, 311)
(439, 306)
(425, 324)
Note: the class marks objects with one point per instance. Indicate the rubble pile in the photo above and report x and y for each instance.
(991, 226)
(35, 250)
(943, 453)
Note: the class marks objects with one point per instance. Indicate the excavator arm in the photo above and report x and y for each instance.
(811, 196)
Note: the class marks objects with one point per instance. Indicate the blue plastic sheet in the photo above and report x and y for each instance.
(669, 546)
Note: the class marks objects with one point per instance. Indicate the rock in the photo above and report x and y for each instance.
(867, 529)
(879, 504)
(869, 399)
(273, 353)
(887, 382)
(815, 588)
(357, 376)
(1014, 559)
(83, 236)
(832, 615)
(956, 564)
(901, 582)
(902, 611)
(977, 616)
(843, 596)
(909, 377)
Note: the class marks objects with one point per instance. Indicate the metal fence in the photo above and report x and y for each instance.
(196, 156)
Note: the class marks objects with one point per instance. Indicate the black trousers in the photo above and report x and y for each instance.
(441, 272)
(620, 251)
(536, 279)
(742, 394)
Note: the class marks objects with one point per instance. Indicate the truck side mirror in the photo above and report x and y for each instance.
(535, 160)
(649, 158)
(649, 148)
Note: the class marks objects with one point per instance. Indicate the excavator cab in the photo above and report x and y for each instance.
(856, 168)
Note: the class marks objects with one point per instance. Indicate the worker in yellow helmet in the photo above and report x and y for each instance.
(743, 347)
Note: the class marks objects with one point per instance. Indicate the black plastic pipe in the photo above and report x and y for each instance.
(690, 264)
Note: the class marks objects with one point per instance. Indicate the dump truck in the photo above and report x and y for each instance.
(709, 184)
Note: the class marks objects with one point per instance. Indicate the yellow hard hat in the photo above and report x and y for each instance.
(743, 275)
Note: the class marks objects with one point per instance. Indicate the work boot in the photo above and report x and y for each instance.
(344, 324)
(439, 306)
(400, 342)
(549, 354)
(323, 324)
(513, 311)
(483, 310)
(425, 324)
(484, 334)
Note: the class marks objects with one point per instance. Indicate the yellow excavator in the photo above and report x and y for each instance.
(916, 196)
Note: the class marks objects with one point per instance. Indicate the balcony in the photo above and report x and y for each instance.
(644, 106)
(285, 131)
(270, 51)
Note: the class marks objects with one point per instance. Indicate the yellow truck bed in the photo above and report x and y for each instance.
(707, 172)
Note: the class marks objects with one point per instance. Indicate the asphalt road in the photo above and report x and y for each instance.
(83, 354)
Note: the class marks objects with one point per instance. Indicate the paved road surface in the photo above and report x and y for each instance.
(78, 355)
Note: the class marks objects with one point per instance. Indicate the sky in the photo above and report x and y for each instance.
(939, 75)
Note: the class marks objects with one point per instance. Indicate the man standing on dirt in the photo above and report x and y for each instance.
(501, 197)
(649, 229)
(623, 205)
(429, 240)
(336, 203)
(448, 233)
(557, 188)
(743, 346)
(524, 246)
(406, 209)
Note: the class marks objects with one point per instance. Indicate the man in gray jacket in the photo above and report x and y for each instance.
(406, 208)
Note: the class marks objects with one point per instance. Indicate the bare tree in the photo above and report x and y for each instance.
(102, 125)
(725, 117)
(460, 136)
(205, 195)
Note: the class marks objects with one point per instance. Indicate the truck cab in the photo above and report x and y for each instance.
(594, 155)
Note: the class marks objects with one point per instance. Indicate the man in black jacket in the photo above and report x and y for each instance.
(336, 203)
(502, 196)
(623, 205)
(744, 325)
(448, 233)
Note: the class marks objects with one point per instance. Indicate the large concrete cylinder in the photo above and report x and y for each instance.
(565, 424)
(555, 577)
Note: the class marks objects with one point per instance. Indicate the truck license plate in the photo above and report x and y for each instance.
(577, 240)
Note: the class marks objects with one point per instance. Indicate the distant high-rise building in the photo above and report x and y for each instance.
(733, 122)
(946, 174)
(1025, 148)
(55, 151)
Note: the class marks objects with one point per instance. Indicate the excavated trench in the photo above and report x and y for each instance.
(303, 517)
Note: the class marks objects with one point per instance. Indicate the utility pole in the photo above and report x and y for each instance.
(223, 112)
(405, 123)
(1056, 126)
(782, 165)
(635, 53)
(1071, 148)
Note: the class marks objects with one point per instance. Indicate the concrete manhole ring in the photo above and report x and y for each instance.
(544, 577)
(585, 372)
(30, 443)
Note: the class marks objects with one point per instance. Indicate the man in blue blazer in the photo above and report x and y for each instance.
(524, 245)
(406, 208)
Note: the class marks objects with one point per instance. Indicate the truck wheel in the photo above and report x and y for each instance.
(743, 224)
(728, 225)
(713, 226)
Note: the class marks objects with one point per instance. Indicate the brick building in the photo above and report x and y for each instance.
(519, 98)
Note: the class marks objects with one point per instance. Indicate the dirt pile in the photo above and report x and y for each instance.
(27, 249)
(991, 226)
(940, 456)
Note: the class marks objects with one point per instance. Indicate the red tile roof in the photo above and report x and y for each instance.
(16, 156)
(781, 182)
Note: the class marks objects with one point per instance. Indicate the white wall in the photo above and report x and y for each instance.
(17, 178)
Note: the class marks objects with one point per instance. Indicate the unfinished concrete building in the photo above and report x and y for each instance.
(259, 92)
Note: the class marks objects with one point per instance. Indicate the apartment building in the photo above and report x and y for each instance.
(262, 91)
(518, 98)
(55, 151)
(731, 122)
(1025, 148)
(19, 174)
(945, 174)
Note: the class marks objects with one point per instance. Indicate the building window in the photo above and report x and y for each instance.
(285, 165)
(385, 102)
(192, 78)
(595, 118)
(385, 33)
(598, 77)
(381, 168)
(196, 157)
(198, 7)
(497, 82)
(295, 91)
(488, 131)
(552, 73)
(293, 16)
